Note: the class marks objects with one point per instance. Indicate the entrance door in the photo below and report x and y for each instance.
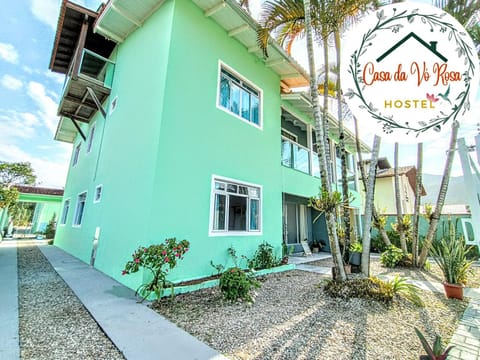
(296, 219)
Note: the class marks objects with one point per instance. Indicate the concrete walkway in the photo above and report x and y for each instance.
(136, 330)
(9, 347)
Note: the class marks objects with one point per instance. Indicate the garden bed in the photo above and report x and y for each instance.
(292, 318)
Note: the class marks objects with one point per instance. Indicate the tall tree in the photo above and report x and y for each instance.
(366, 239)
(418, 195)
(398, 203)
(442, 193)
(12, 174)
(326, 185)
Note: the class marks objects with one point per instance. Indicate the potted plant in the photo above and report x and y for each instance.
(316, 246)
(355, 253)
(435, 353)
(451, 257)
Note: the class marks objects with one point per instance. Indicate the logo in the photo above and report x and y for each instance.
(409, 71)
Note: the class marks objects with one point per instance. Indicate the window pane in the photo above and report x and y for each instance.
(232, 188)
(254, 214)
(219, 186)
(245, 105)
(66, 206)
(224, 92)
(237, 213)
(235, 99)
(287, 158)
(219, 214)
(254, 106)
(243, 190)
(253, 192)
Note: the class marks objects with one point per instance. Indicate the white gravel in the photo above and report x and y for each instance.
(292, 318)
(53, 323)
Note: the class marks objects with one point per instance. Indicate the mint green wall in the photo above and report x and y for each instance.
(165, 141)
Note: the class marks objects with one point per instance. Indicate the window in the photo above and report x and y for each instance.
(81, 199)
(98, 194)
(76, 154)
(239, 97)
(113, 105)
(235, 207)
(90, 139)
(66, 207)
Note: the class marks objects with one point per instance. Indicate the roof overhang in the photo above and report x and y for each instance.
(119, 18)
(303, 102)
(66, 130)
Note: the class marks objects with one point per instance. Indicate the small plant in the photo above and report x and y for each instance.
(451, 257)
(408, 291)
(435, 353)
(263, 258)
(236, 285)
(391, 257)
(51, 228)
(356, 247)
(158, 259)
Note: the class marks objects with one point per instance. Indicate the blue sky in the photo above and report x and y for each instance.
(29, 95)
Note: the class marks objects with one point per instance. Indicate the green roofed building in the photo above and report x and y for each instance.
(181, 128)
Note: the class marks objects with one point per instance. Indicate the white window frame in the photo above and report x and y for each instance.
(90, 138)
(113, 105)
(211, 231)
(221, 65)
(77, 207)
(95, 199)
(76, 153)
(64, 216)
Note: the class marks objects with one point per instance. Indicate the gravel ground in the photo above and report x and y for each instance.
(53, 322)
(433, 275)
(292, 318)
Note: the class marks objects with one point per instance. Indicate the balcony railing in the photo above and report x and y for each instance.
(295, 156)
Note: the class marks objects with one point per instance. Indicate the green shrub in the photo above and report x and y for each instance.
(263, 258)
(51, 228)
(236, 285)
(373, 288)
(451, 256)
(391, 257)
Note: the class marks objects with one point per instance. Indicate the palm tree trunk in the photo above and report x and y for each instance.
(441, 197)
(418, 194)
(325, 108)
(330, 216)
(400, 230)
(363, 175)
(366, 239)
(343, 157)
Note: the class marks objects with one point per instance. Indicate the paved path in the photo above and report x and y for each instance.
(9, 348)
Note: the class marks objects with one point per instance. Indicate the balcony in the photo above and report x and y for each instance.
(92, 74)
(298, 157)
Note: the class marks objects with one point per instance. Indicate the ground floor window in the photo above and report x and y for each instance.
(66, 207)
(236, 207)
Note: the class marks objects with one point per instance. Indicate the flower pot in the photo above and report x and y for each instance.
(315, 249)
(453, 291)
(355, 258)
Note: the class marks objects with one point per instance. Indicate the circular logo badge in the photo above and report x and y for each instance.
(409, 70)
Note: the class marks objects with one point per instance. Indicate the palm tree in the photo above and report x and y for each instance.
(398, 203)
(418, 194)
(369, 207)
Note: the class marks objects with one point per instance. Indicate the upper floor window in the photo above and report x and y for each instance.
(76, 154)
(235, 207)
(98, 194)
(90, 139)
(239, 97)
(79, 210)
(66, 207)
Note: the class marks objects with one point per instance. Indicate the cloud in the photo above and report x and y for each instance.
(58, 78)
(11, 83)
(17, 125)
(49, 172)
(47, 106)
(46, 11)
(8, 53)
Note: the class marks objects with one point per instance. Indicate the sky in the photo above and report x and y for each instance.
(30, 93)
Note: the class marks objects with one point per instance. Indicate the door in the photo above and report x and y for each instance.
(296, 220)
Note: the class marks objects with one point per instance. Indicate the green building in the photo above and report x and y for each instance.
(41, 204)
(181, 128)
